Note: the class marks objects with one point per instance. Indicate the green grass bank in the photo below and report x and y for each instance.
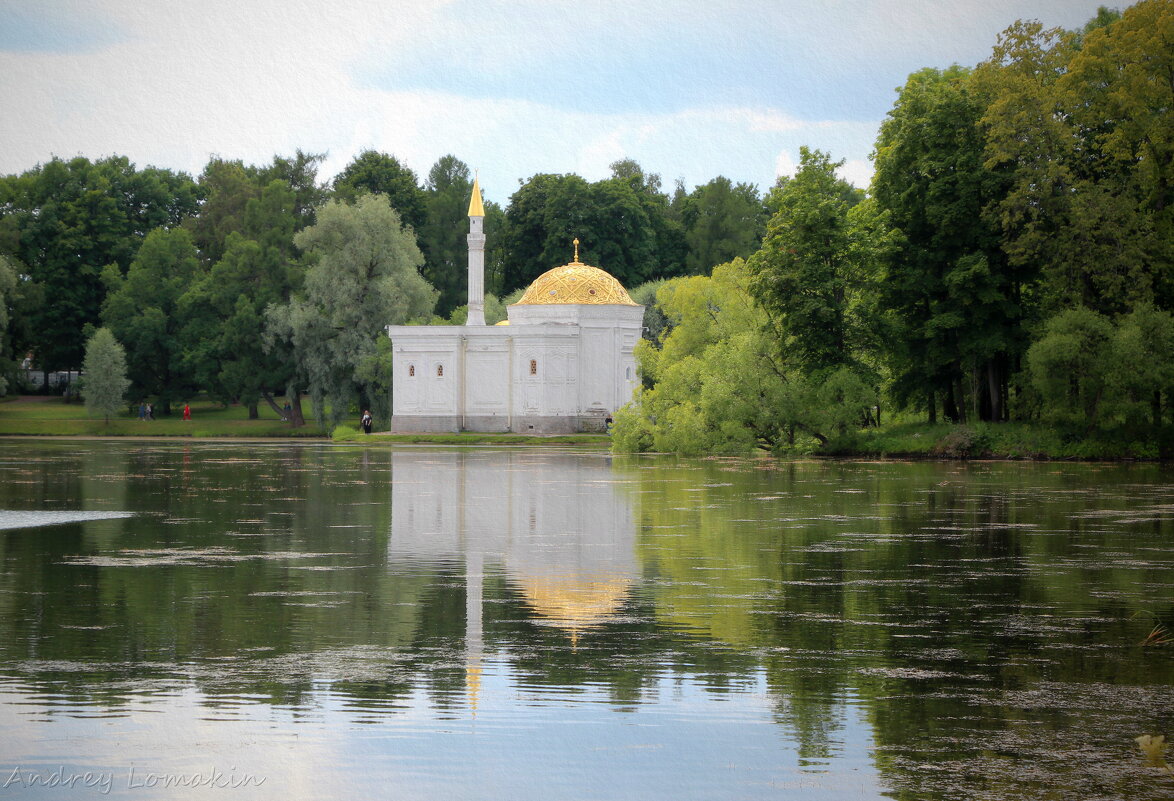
(999, 441)
(52, 416)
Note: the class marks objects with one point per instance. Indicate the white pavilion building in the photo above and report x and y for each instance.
(561, 363)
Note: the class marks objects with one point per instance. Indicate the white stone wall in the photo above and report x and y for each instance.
(557, 368)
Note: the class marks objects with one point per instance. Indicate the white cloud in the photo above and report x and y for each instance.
(250, 80)
(785, 165)
(857, 172)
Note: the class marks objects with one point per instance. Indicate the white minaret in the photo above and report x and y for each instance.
(476, 258)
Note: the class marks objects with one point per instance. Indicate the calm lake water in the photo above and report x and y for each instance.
(313, 621)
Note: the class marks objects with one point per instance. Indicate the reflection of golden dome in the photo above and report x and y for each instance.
(575, 601)
(575, 283)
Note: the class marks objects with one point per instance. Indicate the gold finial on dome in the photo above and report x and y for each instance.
(576, 261)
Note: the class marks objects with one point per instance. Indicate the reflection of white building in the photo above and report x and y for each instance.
(561, 363)
(557, 525)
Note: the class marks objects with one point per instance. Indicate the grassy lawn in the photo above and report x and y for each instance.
(40, 415)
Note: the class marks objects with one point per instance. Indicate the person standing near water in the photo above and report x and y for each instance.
(365, 421)
(187, 412)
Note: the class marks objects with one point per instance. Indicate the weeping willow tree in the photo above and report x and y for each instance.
(363, 276)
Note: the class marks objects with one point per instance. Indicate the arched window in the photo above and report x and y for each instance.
(411, 370)
(439, 370)
(628, 373)
(533, 367)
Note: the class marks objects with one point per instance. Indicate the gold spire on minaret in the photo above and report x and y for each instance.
(476, 207)
(576, 261)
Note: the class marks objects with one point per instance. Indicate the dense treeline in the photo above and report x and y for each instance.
(1011, 261)
(250, 282)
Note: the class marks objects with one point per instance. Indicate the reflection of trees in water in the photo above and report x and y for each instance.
(938, 594)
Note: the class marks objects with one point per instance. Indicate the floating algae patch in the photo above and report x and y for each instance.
(155, 557)
(12, 518)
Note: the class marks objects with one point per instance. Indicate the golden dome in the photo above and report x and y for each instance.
(576, 283)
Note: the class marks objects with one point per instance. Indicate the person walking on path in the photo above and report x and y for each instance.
(187, 412)
(366, 421)
(142, 412)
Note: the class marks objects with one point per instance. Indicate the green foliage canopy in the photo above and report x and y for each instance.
(363, 276)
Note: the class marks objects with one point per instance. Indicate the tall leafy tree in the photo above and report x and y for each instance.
(363, 276)
(670, 247)
(224, 310)
(66, 221)
(375, 172)
(817, 270)
(549, 211)
(229, 186)
(722, 221)
(1080, 122)
(106, 381)
(960, 307)
(143, 311)
(442, 237)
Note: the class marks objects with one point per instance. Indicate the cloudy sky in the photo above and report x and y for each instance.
(689, 89)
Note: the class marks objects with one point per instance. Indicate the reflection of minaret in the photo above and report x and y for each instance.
(474, 643)
(476, 314)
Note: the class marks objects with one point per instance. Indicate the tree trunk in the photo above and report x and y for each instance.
(1157, 408)
(273, 404)
(296, 418)
(950, 404)
(253, 411)
(994, 388)
(933, 408)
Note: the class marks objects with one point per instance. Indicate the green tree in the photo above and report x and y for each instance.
(1142, 371)
(670, 248)
(960, 308)
(143, 311)
(609, 219)
(722, 221)
(374, 172)
(229, 189)
(65, 221)
(1070, 365)
(817, 270)
(8, 284)
(443, 236)
(363, 276)
(224, 311)
(1118, 90)
(720, 382)
(1080, 122)
(106, 381)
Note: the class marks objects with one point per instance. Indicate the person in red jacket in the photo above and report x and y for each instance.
(187, 412)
